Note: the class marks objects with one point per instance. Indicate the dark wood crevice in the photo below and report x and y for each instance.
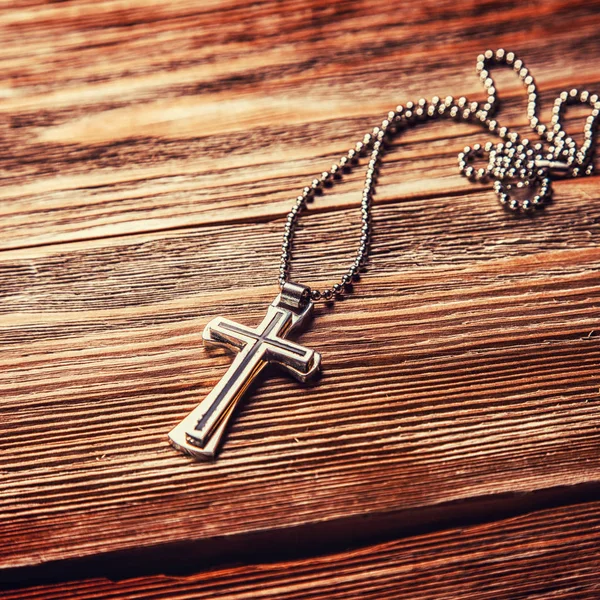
(306, 541)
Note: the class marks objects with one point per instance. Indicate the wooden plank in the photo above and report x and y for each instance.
(489, 354)
(178, 120)
(549, 554)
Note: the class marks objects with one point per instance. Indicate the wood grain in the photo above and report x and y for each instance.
(490, 387)
(148, 161)
(550, 554)
(168, 118)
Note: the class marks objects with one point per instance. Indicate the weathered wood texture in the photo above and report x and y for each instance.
(150, 151)
(538, 556)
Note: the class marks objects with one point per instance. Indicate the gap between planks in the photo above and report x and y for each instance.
(181, 559)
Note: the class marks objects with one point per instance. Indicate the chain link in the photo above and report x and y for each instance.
(513, 162)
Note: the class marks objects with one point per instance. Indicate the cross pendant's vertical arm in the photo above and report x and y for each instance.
(200, 433)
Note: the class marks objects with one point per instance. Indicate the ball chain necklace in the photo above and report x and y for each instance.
(514, 162)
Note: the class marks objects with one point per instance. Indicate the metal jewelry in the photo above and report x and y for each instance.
(513, 162)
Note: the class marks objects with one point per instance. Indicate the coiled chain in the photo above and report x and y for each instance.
(513, 162)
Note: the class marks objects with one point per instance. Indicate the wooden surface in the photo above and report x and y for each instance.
(533, 556)
(150, 152)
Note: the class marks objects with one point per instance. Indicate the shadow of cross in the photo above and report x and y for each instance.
(200, 433)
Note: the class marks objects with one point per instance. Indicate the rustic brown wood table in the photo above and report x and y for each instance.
(149, 153)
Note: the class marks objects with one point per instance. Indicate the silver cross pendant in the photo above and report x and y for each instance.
(201, 432)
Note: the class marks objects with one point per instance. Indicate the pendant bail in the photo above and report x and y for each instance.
(294, 296)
